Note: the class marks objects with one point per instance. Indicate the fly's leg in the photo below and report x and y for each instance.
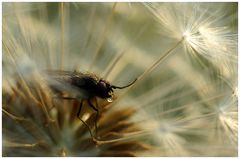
(78, 115)
(97, 111)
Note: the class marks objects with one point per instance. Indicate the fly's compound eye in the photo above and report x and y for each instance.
(102, 84)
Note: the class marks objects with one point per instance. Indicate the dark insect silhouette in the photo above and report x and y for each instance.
(83, 86)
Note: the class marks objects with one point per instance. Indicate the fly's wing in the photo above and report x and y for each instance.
(61, 81)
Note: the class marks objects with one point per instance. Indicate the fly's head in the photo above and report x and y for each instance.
(104, 90)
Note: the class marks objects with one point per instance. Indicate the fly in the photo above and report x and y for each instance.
(84, 86)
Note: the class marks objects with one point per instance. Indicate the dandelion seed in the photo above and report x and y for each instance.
(200, 25)
(223, 123)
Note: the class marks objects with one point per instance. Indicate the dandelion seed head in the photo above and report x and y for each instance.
(227, 123)
(223, 110)
(167, 135)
